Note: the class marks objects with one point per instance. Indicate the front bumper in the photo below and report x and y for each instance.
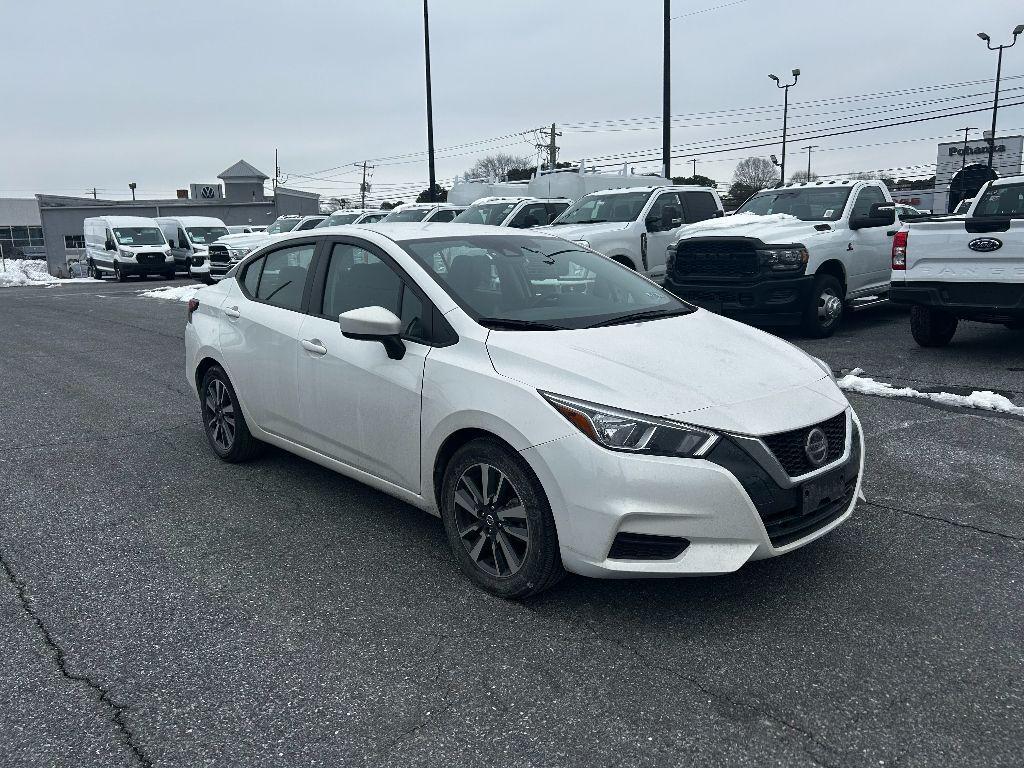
(768, 301)
(723, 506)
(987, 302)
(146, 268)
(202, 268)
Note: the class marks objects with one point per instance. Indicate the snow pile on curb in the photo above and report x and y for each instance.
(32, 272)
(981, 400)
(173, 293)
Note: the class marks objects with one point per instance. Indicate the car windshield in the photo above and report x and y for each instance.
(1003, 200)
(139, 235)
(409, 214)
(599, 207)
(369, 218)
(204, 235)
(518, 282)
(486, 213)
(282, 225)
(807, 204)
(339, 218)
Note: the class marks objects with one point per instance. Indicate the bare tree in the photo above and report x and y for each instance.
(802, 176)
(498, 165)
(756, 173)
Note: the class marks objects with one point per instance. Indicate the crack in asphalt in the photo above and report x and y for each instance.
(954, 523)
(57, 652)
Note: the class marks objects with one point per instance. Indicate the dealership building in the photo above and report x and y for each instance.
(237, 198)
(960, 170)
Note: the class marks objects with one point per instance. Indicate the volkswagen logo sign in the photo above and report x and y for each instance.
(985, 244)
(816, 446)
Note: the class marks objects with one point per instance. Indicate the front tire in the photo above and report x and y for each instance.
(118, 274)
(93, 272)
(498, 521)
(824, 310)
(932, 327)
(225, 425)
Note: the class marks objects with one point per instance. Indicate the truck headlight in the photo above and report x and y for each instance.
(624, 431)
(783, 259)
(125, 254)
(239, 253)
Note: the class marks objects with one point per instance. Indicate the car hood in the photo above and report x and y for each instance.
(778, 228)
(699, 368)
(583, 231)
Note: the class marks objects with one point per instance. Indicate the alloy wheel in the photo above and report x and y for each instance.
(492, 521)
(220, 415)
(830, 307)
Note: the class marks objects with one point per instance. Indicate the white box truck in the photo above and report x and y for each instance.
(119, 246)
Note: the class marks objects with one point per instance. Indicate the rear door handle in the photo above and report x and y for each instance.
(233, 313)
(314, 346)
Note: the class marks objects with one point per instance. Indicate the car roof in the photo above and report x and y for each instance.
(128, 221)
(405, 231)
(1003, 181)
(190, 220)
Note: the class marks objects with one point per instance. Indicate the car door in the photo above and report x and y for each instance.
(662, 223)
(870, 248)
(259, 338)
(358, 405)
(181, 250)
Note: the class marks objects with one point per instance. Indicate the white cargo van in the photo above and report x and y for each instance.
(189, 238)
(126, 245)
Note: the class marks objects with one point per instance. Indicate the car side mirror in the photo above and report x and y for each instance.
(170, 244)
(109, 245)
(884, 212)
(374, 324)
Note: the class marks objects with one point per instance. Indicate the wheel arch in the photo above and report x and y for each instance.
(624, 260)
(837, 269)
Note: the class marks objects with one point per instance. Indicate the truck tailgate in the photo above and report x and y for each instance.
(966, 251)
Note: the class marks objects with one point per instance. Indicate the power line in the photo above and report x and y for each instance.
(709, 10)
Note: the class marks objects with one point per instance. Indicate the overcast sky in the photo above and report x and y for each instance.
(100, 92)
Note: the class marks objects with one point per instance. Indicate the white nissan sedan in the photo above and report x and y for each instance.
(557, 410)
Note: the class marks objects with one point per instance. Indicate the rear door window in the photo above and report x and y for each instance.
(283, 278)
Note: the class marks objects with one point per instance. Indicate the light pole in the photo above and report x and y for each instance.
(666, 91)
(785, 115)
(131, 186)
(999, 72)
(430, 104)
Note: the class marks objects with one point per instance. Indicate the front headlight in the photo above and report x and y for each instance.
(583, 243)
(125, 254)
(239, 253)
(624, 431)
(783, 259)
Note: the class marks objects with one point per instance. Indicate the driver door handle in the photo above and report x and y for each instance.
(314, 346)
(232, 312)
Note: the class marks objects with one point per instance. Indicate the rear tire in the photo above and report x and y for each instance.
(825, 307)
(932, 327)
(498, 521)
(225, 425)
(94, 273)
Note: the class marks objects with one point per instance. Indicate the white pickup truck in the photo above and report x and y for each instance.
(635, 225)
(963, 268)
(799, 254)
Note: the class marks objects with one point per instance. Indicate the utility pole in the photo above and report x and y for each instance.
(785, 115)
(966, 131)
(430, 104)
(809, 148)
(364, 187)
(666, 95)
(552, 148)
(694, 161)
(277, 170)
(999, 73)
(94, 194)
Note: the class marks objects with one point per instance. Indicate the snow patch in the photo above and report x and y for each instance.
(982, 400)
(738, 220)
(32, 272)
(173, 293)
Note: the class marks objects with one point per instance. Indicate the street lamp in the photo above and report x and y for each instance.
(999, 71)
(785, 114)
(131, 186)
(430, 103)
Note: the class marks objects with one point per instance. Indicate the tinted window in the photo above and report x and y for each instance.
(667, 211)
(444, 214)
(310, 224)
(356, 278)
(531, 215)
(252, 276)
(699, 206)
(284, 276)
(1004, 200)
(867, 197)
(180, 241)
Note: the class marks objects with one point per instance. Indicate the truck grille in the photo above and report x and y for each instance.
(219, 254)
(149, 258)
(788, 447)
(715, 258)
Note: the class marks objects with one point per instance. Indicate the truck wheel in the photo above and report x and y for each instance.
(94, 273)
(932, 327)
(118, 274)
(824, 310)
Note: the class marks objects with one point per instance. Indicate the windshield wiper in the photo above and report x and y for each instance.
(512, 324)
(650, 314)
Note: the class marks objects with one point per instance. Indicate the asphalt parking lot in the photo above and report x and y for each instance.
(159, 607)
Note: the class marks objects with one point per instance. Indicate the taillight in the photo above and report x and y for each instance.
(899, 250)
(193, 305)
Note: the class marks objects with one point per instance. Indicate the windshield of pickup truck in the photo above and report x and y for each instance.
(596, 208)
(282, 225)
(807, 204)
(139, 236)
(522, 283)
(339, 218)
(205, 235)
(1004, 200)
(487, 213)
(409, 214)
